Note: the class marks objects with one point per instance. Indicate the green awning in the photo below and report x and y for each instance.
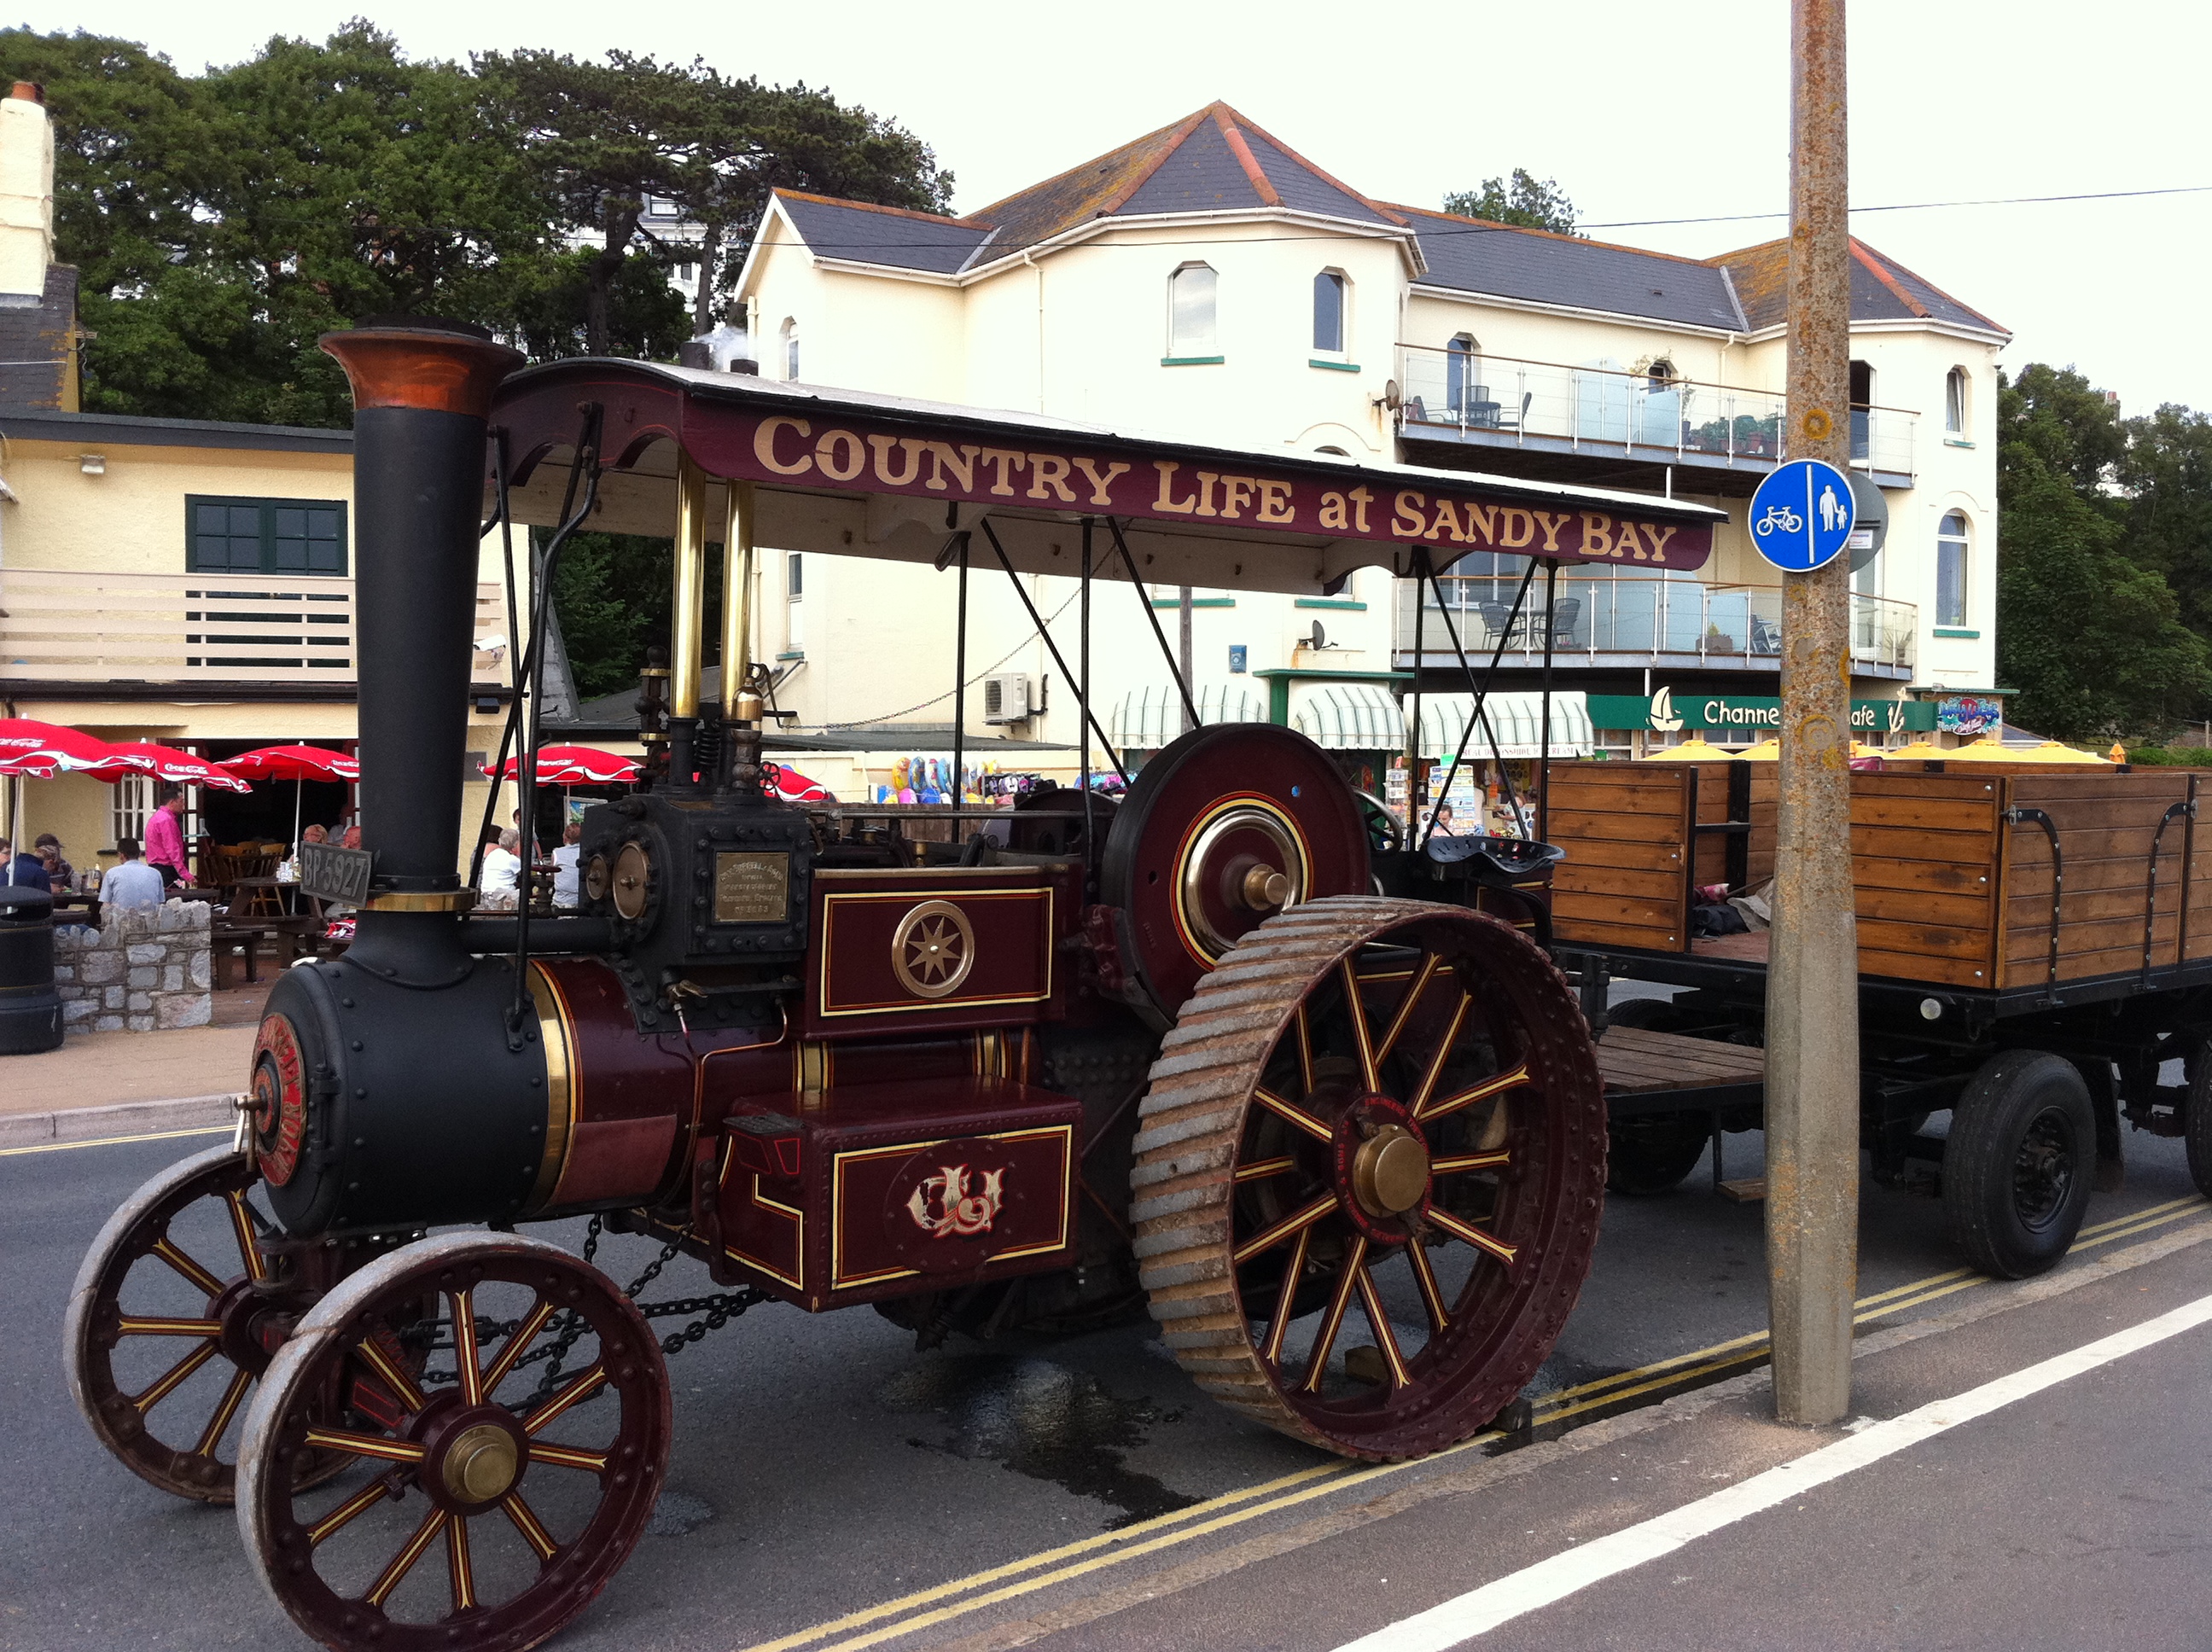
(1349, 716)
(1148, 717)
(1517, 719)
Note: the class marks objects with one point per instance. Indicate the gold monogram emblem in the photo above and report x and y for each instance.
(942, 1206)
(933, 948)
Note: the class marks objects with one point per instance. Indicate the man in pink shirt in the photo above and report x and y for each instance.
(165, 838)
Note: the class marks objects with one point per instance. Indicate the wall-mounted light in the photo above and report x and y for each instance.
(93, 464)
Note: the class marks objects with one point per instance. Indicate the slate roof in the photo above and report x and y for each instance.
(35, 347)
(1476, 256)
(1214, 161)
(1882, 290)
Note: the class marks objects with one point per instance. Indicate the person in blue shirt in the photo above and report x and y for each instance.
(133, 883)
(26, 869)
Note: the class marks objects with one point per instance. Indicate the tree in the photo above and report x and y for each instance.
(2165, 477)
(2093, 640)
(1524, 200)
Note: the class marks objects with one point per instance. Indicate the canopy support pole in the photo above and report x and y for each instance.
(1424, 580)
(1180, 673)
(1481, 692)
(1543, 749)
(1051, 647)
(960, 686)
(1090, 828)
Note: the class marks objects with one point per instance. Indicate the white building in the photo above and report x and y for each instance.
(1207, 282)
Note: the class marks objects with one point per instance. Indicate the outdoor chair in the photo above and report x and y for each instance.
(1503, 623)
(1564, 612)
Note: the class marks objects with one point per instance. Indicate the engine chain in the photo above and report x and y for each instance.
(714, 1311)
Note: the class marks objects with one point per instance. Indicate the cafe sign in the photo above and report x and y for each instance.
(1665, 711)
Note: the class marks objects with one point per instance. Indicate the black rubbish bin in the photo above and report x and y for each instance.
(30, 1009)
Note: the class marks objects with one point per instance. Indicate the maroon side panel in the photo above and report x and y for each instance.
(901, 952)
(923, 1185)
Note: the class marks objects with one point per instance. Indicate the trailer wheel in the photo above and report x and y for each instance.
(1368, 1177)
(504, 1424)
(2196, 1118)
(1651, 1155)
(2020, 1163)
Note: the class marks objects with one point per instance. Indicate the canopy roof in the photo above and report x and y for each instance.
(852, 473)
(1515, 717)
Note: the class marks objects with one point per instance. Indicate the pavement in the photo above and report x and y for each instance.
(116, 1083)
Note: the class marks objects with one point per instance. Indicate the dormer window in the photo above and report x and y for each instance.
(1329, 297)
(1192, 336)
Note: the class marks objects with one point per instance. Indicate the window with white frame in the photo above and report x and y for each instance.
(1955, 402)
(788, 337)
(1191, 331)
(794, 591)
(1950, 550)
(127, 810)
(1330, 295)
(1462, 369)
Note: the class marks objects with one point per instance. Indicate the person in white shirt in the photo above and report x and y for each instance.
(567, 888)
(502, 868)
(134, 883)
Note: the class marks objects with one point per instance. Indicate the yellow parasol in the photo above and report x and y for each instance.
(1696, 750)
(1770, 749)
(1990, 750)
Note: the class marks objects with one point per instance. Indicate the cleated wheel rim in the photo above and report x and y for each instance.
(503, 1421)
(171, 1320)
(1369, 1173)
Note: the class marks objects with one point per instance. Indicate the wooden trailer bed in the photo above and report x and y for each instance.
(2001, 880)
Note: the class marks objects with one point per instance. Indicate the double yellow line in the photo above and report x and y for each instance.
(115, 1141)
(926, 1608)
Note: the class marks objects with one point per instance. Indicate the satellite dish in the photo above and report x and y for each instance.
(1319, 640)
(1390, 397)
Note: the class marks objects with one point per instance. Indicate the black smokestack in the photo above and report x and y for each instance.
(422, 391)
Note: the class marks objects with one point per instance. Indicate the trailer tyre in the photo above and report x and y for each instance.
(2021, 1161)
(2196, 1118)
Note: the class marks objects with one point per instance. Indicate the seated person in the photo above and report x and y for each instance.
(48, 849)
(134, 884)
(567, 886)
(26, 869)
(502, 870)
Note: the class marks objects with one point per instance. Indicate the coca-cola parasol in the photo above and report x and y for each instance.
(30, 747)
(575, 765)
(167, 763)
(294, 762)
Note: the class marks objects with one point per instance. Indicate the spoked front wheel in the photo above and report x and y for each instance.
(1368, 1172)
(498, 1401)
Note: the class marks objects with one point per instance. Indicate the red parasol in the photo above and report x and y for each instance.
(30, 747)
(294, 762)
(167, 763)
(575, 765)
(793, 786)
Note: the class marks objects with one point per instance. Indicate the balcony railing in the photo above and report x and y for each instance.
(1725, 625)
(64, 626)
(1505, 401)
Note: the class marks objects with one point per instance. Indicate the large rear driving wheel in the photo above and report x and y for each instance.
(1369, 1173)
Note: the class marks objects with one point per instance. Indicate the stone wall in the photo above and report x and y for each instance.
(140, 972)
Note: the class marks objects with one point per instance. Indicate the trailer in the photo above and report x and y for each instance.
(2035, 943)
(1235, 1049)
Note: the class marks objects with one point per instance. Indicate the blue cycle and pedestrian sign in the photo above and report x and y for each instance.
(1802, 516)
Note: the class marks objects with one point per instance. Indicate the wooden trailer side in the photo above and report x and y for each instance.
(2196, 874)
(1626, 829)
(2123, 847)
(1925, 867)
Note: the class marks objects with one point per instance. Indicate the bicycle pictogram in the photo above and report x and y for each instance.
(1778, 517)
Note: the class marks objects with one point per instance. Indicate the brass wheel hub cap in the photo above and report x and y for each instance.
(480, 1466)
(1390, 1171)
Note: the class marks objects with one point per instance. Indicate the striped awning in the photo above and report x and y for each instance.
(1350, 717)
(1516, 718)
(1148, 717)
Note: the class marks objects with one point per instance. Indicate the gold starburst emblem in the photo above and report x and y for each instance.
(933, 948)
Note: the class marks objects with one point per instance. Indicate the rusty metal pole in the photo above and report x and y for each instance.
(1812, 983)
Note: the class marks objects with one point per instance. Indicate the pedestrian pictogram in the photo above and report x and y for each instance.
(1802, 516)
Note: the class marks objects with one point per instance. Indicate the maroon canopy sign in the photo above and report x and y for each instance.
(735, 427)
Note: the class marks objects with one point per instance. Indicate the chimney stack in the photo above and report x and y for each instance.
(27, 196)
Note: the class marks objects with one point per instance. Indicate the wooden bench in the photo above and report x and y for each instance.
(223, 936)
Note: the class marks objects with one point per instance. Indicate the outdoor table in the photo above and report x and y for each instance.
(71, 902)
(261, 897)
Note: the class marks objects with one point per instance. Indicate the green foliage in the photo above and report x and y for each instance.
(1524, 201)
(220, 222)
(613, 592)
(2158, 756)
(2166, 476)
(2092, 639)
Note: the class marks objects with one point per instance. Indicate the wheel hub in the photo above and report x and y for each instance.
(1390, 1171)
(473, 1455)
(480, 1465)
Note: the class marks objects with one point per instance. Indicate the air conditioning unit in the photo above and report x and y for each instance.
(1006, 697)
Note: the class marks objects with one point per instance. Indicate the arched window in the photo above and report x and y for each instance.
(1462, 365)
(788, 335)
(1190, 312)
(1328, 314)
(1951, 548)
(1661, 373)
(1955, 402)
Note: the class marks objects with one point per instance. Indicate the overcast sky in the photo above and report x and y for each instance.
(1640, 111)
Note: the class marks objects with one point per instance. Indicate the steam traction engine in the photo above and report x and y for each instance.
(1178, 1051)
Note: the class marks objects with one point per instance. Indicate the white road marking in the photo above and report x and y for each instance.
(1482, 1610)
